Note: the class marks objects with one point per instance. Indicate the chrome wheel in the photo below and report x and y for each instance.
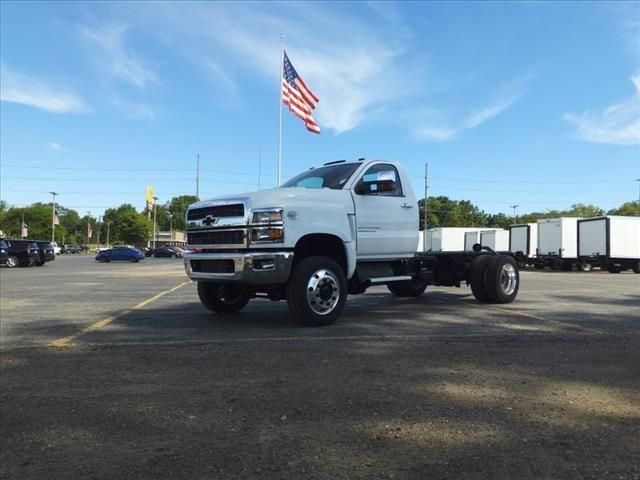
(323, 292)
(508, 279)
(12, 262)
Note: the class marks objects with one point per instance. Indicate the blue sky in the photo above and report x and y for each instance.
(532, 103)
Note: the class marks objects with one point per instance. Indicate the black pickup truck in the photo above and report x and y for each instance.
(23, 252)
(46, 252)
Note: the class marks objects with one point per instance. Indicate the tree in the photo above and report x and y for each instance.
(178, 207)
(582, 210)
(128, 225)
(444, 212)
(630, 209)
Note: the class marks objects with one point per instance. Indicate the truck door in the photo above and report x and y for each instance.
(386, 216)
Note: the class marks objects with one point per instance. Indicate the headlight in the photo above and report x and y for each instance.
(267, 216)
(267, 234)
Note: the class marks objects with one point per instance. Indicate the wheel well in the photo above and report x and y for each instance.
(321, 244)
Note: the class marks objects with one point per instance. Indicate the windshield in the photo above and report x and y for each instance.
(331, 176)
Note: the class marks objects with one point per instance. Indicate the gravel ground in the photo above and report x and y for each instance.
(435, 387)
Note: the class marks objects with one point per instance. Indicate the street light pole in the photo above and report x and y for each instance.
(53, 216)
(155, 235)
(88, 224)
(108, 225)
(514, 211)
(170, 228)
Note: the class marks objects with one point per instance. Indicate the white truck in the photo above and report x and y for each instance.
(523, 242)
(611, 243)
(328, 232)
(496, 239)
(558, 244)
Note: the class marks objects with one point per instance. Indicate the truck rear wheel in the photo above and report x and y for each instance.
(477, 278)
(408, 288)
(502, 279)
(614, 268)
(584, 267)
(317, 291)
(223, 298)
(636, 267)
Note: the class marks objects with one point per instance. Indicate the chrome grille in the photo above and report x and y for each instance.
(216, 237)
(217, 211)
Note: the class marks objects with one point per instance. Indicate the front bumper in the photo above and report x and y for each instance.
(252, 268)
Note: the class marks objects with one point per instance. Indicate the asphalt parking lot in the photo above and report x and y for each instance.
(116, 371)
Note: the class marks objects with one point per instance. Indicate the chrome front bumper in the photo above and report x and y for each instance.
(259, 268)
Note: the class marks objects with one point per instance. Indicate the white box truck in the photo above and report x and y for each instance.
(557, 243)
(471, 237)
(446, 239)
(496, 239)
(610, 242)
(523, 241)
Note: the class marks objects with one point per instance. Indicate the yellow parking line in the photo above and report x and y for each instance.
(66, 341)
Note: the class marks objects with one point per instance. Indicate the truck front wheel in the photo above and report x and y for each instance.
(317, 291)
(223, 298)
(409, 288)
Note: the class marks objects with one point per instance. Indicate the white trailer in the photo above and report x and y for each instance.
(523, 241)
(557, 243)
(471, 237)
(610, 242)
(446, 239)
(496, 239)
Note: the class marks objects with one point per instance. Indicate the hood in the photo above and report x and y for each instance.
(288, 198)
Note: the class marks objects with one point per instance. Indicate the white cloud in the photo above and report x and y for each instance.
(352, 67)
(478, 117)
(56, 147)
(19, 88)
(134, 110)
(435, 134)
(115, 57)
(618, 124)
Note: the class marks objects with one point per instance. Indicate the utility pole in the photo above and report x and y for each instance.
(22, 227)
(53, 217)
(155, 235)
(197, 180)
(108, 225)
(98, 225)
(426, 192)
(514, 211)
(170, 228)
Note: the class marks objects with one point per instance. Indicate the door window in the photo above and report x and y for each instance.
(382, 180)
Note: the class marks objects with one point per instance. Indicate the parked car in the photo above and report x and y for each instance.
(166, 252)
(124, 254)
(46, 252)
(24, 252)
(70, 249)
(5, 258)
(56, 248)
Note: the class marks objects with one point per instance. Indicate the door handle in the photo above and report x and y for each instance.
(406, 205)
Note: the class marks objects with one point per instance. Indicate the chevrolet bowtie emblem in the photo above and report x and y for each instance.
(209, 220)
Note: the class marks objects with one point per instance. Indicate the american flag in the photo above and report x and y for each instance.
(297, 95)
(56, 217)
(25, 231)
(89, 231)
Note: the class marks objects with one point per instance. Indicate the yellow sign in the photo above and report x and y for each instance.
(149, 198)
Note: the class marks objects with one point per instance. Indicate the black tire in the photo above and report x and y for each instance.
(614, 269)
(502, 279)
(409, 288)
(539, 265)
(103, 260)
(636, 267)
(13, 261)
(39, 263)
(585, 267)
(477, 278)
(223, 298)
(133, 259)
(522, 264)
(321, 278)
(566, 267)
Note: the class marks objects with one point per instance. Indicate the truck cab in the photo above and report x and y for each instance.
(327, 232)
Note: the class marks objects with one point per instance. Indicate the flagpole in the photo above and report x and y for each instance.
(53, 216)
(280, 111)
